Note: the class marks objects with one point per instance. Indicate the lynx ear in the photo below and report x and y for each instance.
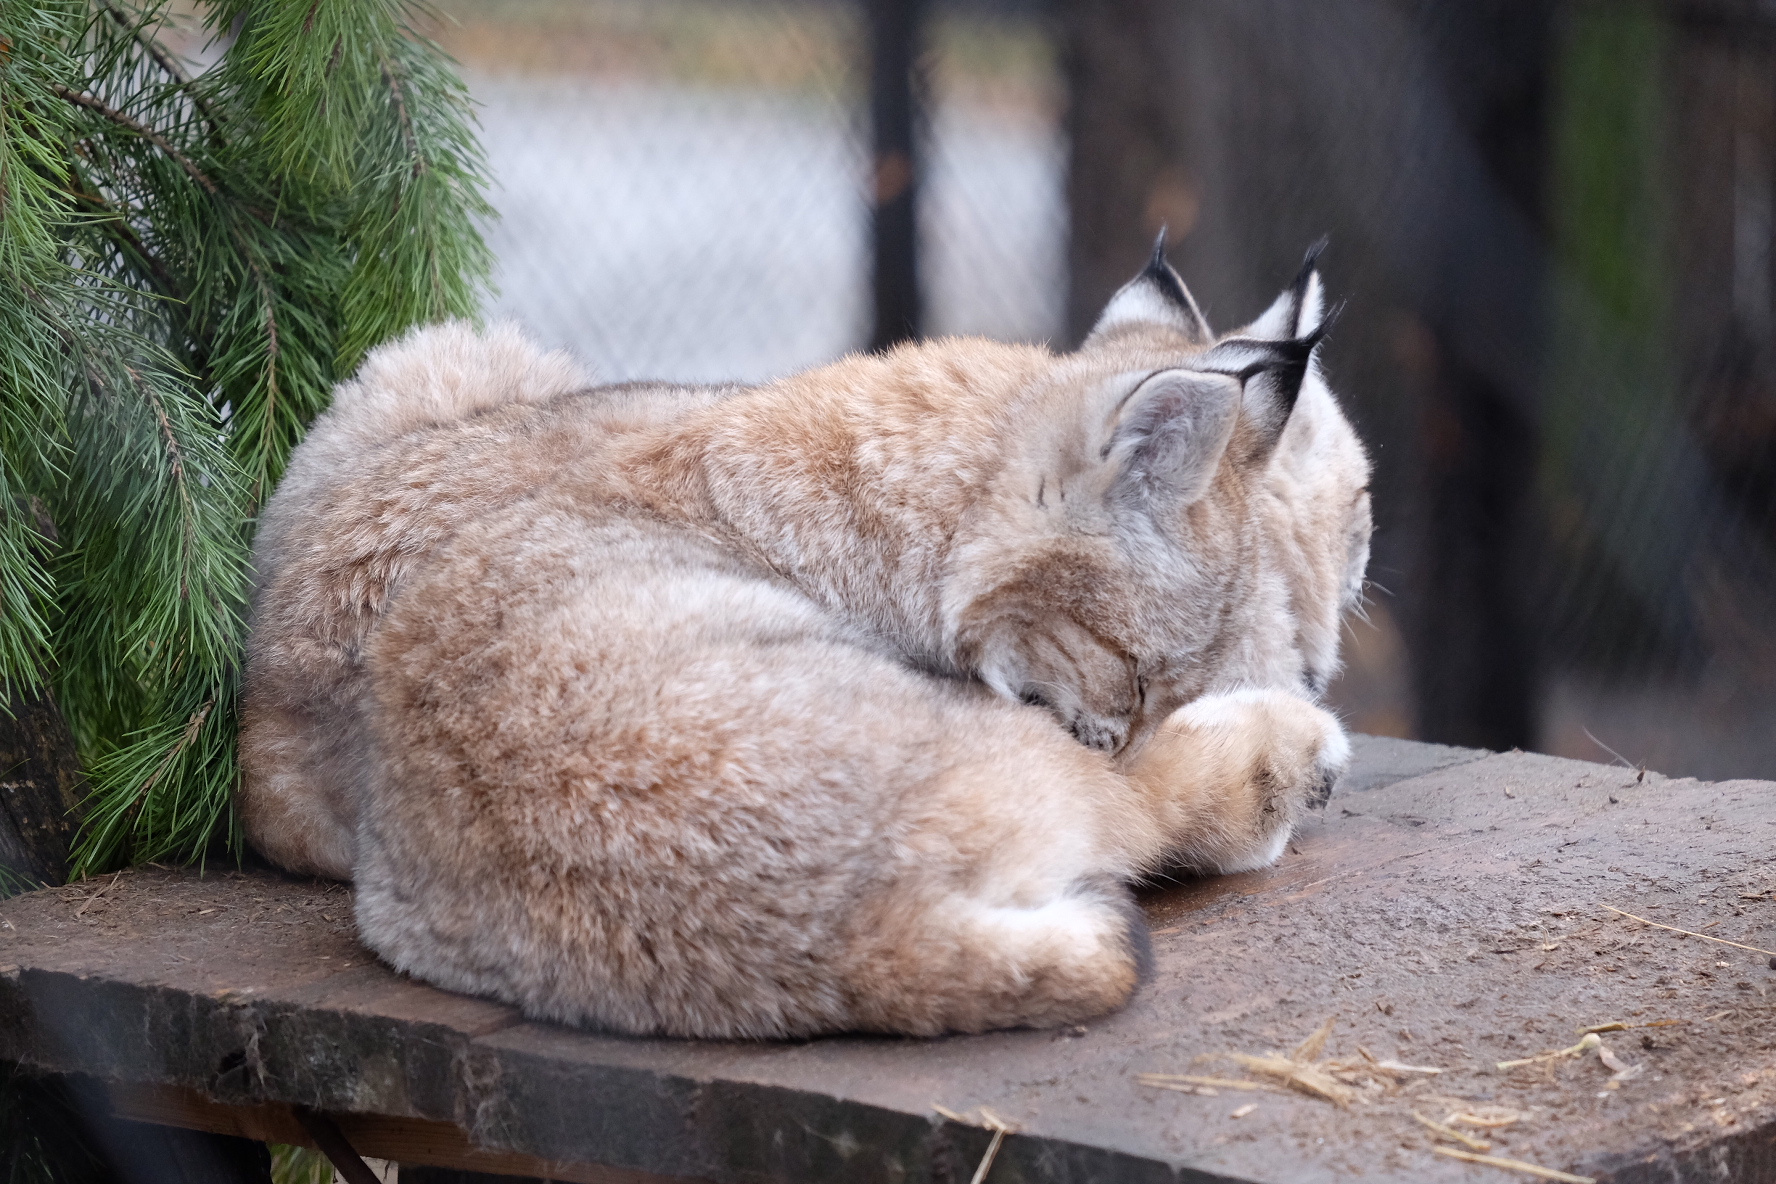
(1156, 298)
(1301, 307)
(1271, 373)
(1169, 433)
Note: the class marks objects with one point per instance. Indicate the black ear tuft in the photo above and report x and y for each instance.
(1309, 298)
(1161, 273)
(1156, 298)
(1311, 263)
(1298, 309)
(1272, 373)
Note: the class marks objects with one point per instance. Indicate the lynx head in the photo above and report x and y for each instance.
(1177, 514)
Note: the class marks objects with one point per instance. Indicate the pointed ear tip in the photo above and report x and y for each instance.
(1159, 247)
(1310, 263)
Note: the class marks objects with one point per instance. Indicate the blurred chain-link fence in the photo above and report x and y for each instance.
(685, 185)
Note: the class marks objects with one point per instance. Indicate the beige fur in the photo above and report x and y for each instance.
(851, 701)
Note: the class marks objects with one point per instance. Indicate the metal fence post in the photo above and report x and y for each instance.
(894, 37)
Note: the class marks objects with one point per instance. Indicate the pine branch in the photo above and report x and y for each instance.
(166, 792)
(164, 344)
(141, 129)
(165, 61)
(32, 366)
(267, 444)
(177, 455)
(389, 80)
(26, 593)
(193, 726)
(116, 224)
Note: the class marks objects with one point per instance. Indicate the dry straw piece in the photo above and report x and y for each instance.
(1304, 1070)
(1486, 1117)
(1190, 1083)
(1311, 1049)
(1395, 1067)
(1515, 1165)
(1450, 1133)
(990, 1121)
(1620, 1070)
(1620, 1026)
(1300, 1070)
(1306, 1078)
(1399, 1067)
(1591, 1041)
(1690, 932)
(81, 911)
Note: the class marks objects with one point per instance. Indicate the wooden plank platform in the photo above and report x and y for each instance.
(1451, 910)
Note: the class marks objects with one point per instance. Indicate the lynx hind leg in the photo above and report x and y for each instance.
(661, 797)
(292, 812)
(1230, 776)
(302, 754)
(960, 963)
(1022, 917)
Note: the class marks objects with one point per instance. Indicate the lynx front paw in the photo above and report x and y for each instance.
(1238, 772)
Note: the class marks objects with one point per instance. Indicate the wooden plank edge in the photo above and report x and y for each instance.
(416, 1141)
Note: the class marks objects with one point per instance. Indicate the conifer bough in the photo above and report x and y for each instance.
(191, 258)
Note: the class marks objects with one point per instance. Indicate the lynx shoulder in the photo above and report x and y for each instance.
(853, 700)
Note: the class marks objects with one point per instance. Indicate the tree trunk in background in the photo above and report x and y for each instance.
(1472, 637)
(39, 792)
(894, 95)
(1117, 128)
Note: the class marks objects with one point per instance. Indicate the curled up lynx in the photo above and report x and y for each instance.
(854, 700)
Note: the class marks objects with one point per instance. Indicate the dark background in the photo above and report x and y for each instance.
(1553, 228)
(1551, 223)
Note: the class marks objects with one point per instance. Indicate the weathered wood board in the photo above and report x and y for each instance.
(1451, 910)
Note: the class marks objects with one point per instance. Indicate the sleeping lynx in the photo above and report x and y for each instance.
(850, 701)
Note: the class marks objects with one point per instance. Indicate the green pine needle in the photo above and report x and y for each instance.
(194, 260)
